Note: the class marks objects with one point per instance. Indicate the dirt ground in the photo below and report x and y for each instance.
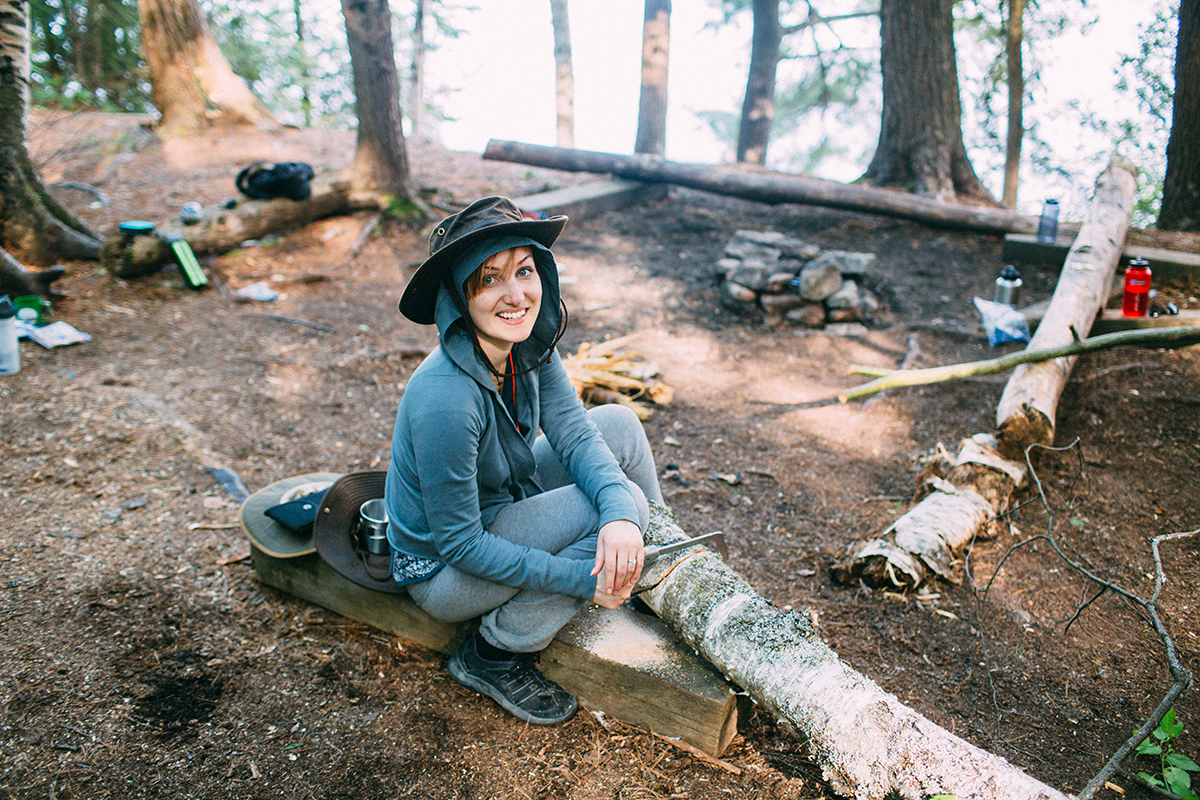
(140, 657)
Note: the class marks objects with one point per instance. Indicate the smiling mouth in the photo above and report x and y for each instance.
(512, 316)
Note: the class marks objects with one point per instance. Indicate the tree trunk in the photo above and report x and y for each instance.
(758, 107)
(652, 104)
(380, 156)
(1026, 413)
(33, 225)
(868, 744)
(416, 83)
(302, 55)
(1181, 186)
(979, 486)
(920, 137)
(193, 84)
(1014, 35)
(564, 76)
(771, 187)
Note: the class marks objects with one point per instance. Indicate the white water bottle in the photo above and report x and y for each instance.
(10, 349)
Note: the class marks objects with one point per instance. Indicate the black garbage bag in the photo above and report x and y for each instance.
(264, 181)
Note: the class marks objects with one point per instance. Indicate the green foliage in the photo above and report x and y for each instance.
(1175, 769)
(85, 53)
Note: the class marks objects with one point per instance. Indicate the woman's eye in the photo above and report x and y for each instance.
(488, 280)
(525, 272)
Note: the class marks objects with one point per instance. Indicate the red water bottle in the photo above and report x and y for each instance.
(1137, 289)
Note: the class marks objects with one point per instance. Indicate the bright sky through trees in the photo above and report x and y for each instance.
(500, 74)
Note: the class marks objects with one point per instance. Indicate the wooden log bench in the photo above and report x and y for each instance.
(626, 664)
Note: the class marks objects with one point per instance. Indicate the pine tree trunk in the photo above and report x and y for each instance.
(564, 76)
(1014, 36)
(380, 156)
(652, 104)
(193, 84)
(758, 107)
(1181, 187)
(869, 745)
(33, 225)
(920, 138)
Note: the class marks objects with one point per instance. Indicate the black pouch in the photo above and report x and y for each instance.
(297, 515)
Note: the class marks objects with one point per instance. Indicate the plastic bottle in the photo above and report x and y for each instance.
(1008, 287)
(1137, 289)
(10, 348)
(1048, 224)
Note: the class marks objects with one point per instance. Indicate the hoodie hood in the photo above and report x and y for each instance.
(452, 300)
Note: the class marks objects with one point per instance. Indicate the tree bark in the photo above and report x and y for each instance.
(380, 155)
(979, 486)
(771, 187)
(564, 76)
(1014, 35)
(1181, 186)
(192, 83)
(868, 744)
(652, 103)
(758, 106)
(33, 225)
(920, 138)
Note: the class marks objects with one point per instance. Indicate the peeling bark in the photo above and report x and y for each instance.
(925, 538)
(869, 744)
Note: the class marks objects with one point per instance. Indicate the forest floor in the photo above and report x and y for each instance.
(141, 658)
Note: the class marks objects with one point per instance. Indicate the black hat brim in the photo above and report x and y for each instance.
(335, 532)
(419, 301)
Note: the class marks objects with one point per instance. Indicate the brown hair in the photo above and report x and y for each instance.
(473, 285)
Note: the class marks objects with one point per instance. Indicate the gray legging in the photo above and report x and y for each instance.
(561, 520)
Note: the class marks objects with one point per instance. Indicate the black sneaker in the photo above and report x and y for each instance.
(516, 685)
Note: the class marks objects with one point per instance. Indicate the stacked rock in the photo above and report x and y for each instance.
(793, 282)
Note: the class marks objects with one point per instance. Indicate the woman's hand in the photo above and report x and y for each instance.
(619, 554)
(603, 598)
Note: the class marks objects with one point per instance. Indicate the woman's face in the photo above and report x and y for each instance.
(506, 304)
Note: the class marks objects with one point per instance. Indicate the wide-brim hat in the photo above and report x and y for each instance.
(453, 236)
(268, 533)
(335, 532)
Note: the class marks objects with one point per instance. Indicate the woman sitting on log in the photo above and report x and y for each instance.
(486, 516)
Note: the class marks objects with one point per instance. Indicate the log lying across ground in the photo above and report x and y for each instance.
(869, 745)
(979, 486)
(766, 187)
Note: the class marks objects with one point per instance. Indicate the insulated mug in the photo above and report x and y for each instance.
(372, 527)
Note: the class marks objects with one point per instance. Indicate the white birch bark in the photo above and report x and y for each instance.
(927, 537)
(869, 745)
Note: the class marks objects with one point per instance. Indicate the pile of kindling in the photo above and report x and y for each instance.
(602, 373)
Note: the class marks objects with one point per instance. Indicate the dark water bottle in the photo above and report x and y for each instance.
(1048, 224)
(1008, 287)
(1137, 289)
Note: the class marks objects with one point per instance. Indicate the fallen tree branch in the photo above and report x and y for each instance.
(766, 187)
(890, 379)
(868, 744)
(1181, 676)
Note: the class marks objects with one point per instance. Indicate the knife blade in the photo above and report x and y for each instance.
(654, 552)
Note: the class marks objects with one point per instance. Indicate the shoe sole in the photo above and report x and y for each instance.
(459, 673)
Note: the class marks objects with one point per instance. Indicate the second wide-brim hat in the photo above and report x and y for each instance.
(335, 532)
(453, 236)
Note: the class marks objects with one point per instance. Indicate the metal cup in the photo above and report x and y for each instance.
(372, 527)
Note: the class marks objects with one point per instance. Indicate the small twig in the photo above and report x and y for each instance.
(700, 754)
(291, 320)
(1158, 790)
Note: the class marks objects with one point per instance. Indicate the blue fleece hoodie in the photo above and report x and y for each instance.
(458, 457)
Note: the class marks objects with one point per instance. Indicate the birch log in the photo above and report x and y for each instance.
(980, 485)
(869, 745)
(1027, 409)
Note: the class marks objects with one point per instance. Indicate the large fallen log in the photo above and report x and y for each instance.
(766, 187)
(869, 745)
(979, 486)
(222, 229)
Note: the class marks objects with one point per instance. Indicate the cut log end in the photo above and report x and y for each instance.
(1021, 429)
